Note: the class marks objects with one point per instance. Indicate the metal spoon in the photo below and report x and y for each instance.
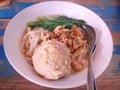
(91, 37)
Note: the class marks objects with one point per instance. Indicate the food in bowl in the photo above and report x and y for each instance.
(55, 47)
(52, 59)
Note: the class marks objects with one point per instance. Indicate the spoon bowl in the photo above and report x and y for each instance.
(90, 35)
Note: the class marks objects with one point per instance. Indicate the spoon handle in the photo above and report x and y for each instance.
(91, 84)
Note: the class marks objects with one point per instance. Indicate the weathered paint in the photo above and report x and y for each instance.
(2, 32)
(116, 50)
(104, 12)
(13, 9)
(5, 68)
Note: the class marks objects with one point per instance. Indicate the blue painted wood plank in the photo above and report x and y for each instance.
(5, 68)
(13, 9)
(115, 25)
(116, 50)
(2, 32)
(104, 12)
(2, 53)
(107, 11)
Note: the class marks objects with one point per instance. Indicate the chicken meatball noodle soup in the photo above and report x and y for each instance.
(55, 47)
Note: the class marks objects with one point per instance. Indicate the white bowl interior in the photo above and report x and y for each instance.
(17, 25)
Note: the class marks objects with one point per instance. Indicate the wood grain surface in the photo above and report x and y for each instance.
(108, 10)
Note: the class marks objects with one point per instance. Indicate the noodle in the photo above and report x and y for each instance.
(73, 39)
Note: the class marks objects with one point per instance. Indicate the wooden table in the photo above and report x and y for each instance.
(108, 10)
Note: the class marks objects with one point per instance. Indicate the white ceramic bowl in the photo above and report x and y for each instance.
(17, 25)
